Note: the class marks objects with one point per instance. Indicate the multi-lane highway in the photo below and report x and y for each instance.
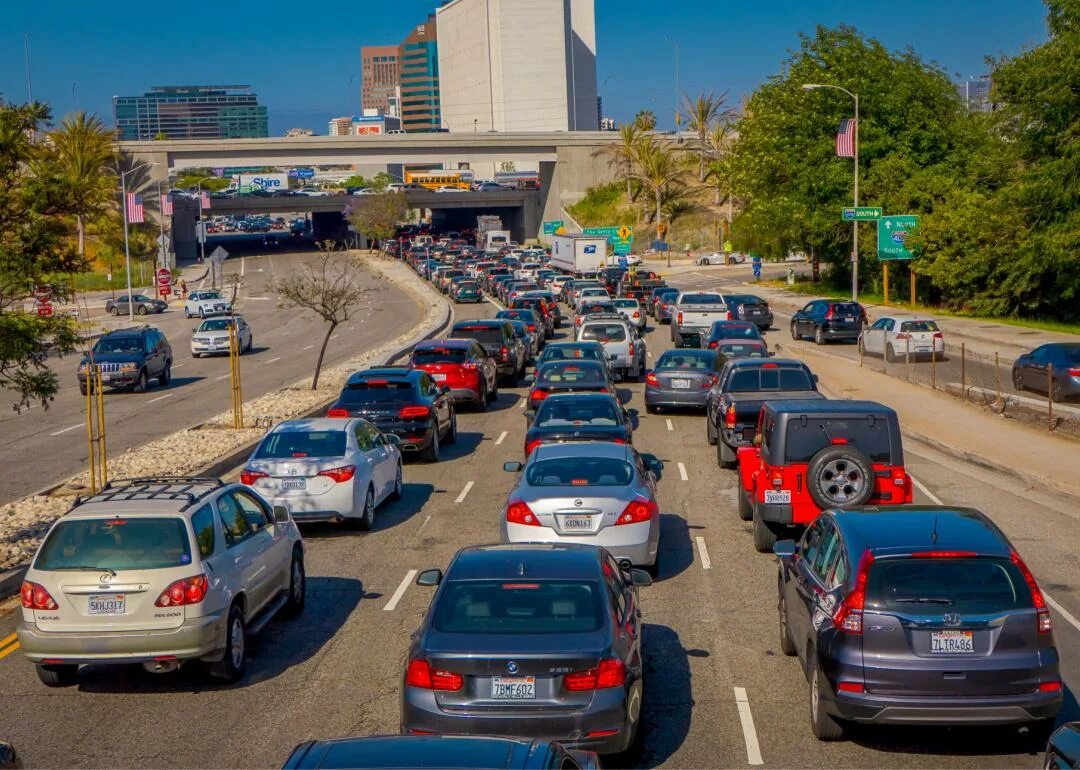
(718, 691)
(39, 447)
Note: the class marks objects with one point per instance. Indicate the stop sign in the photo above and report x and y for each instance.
(164, 277)
(42, 293)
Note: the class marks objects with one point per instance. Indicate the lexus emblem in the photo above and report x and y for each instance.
(292, 471)
(951, 618)
(105, 578)
(512, 667)
(577, 503)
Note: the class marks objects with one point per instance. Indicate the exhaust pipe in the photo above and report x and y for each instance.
(161, 666)
(624, 564)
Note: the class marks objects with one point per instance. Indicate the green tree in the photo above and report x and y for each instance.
(82, 154)
(377, 216)
(661, 171)
(645, 120)
(703, 113)
(623, 156)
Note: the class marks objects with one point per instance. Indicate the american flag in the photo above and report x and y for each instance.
(845, 139)
(204, 197)
(134, 208)
(166, 205)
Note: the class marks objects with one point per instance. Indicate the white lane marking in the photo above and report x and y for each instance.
(461, 498)
(393, 603)
(65, 430)
(258, 299)
(499, 440)
(669, 425)
(421, 529)
(746, 718)
(703, 552)
(177, 366)
(495, 303)
(308, 347)
(243, 264)
(272, 360)
(682, 472)
(222, 377)
(161, 398)
(1068, 616)
(922, 488)
(333, 336)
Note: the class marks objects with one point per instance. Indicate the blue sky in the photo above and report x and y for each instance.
(303, 58)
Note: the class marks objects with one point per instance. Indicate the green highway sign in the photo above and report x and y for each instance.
(862, 214)
(619, 237)
(553, 227)
(892, 233)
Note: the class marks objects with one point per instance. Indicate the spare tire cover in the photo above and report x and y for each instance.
(839, 477)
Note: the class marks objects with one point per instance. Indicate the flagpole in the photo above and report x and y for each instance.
(127, 248)
(855, 222)
(161, 227)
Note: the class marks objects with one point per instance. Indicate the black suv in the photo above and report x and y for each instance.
(825, 320)
(128, 358)
(499, 341)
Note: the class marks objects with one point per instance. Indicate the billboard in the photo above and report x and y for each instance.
(268, 182)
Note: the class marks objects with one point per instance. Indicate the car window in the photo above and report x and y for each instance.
(202, 524)
(919, 326)
(838, 573)
(439, 356)
(579, 472)
(233, 521)
(882, 323)
(378, 391)
(808, 436)
(921, 586)
(287, 444)
(364, 439)
(148, 343)
(585, 373)
(826, 552)
(561, 412)
(116, 543)
(604, 332)
(519, 606)
(811, 543)
(253, 511)
(687, 360)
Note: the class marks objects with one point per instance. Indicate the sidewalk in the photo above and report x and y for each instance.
(96, 299)
(938, 419)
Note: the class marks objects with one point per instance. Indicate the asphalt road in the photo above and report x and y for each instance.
(39, 447)
(718, 691)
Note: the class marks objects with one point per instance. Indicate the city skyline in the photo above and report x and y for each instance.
(310, 74)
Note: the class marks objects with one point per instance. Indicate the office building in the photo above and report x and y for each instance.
(339, 126)
(507, 65)
(190, 112)
(418, 65)
(370, 123)
(378, 77)
(608, 124)
(975, 94)
(294, 132)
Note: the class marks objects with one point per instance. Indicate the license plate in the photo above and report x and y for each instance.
(513, 688)
(106, 377)
(106, 604)
(683, 384)
(951, 642)
(438, 377)
(577, 522)
(777, 496)
(294, 483)
(849, 318)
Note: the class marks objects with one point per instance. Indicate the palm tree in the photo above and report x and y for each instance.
(661, 170)
(702, 115)
(82, 151)
(624, 154)
(645, 120)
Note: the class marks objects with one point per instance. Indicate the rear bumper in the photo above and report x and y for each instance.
(465, 395)
(636, 542)
(334, 505)
(196, 638)
(975, 710)
(840, 334)
(696, 397)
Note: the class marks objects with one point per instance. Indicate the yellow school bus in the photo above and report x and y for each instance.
(433, 180)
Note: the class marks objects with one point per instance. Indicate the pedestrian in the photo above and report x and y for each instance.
(183, 289)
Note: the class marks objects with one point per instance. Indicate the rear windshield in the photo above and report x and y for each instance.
(119, 345)
(604, 332)
(480, 333)
(572, 354)
(746, 299)
(560, 412)
(729, 331)
(597, 307)
(579, 472)
(701, 299)
(440, 356)
(932, 586)
(847, 308)
(377, 392)
(919, 326)
(525, 315)
(628, 303)
(296, 443)
(743, 350)
(216, 325)
(570, 375)
(752, 380)
(868, 435)
(118, 544)
(519, 607)
(687, 360)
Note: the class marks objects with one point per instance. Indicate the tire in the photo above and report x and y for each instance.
(746, 509)
(114, 310)
(140, 310)
(166, 376)
(725, 457)
(232, 665)
(202, 313)
(140, 384)
(63, 675)
(1018, 381)
(787, 646)
(795, 332)
(839, 477)
(367, 518)
(186, 313)
(710, 431)
(890, 354)
(196, 355)
(431, 454)
(82, 388)
(824, 727)
(297, 586)
(451, 433)
(764, 537)
(250, 345)
(819, 336)
(483, 401)
(493, 394)
(396, 492)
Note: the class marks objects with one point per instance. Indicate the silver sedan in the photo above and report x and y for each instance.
(594, 493)
(212, 336)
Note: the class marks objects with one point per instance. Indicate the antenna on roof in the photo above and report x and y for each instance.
(933, 535)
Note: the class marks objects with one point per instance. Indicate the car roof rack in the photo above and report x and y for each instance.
(190, 488)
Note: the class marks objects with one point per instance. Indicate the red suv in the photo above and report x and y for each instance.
(809, 456)
(462, 366)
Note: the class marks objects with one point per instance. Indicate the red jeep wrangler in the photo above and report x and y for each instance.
(812, 455)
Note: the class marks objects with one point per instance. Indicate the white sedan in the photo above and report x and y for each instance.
(712, 258)
(327, 469)
(894, 337)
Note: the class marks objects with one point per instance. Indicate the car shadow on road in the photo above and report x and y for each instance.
(504, 401)
(284, 643)
(467, 442)
(389, 514)
(256, 350)
(676, 552)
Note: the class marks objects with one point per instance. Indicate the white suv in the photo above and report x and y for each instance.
(206, 303)
(159, 571)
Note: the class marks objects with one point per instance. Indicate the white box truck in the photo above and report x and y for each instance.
(577, 253)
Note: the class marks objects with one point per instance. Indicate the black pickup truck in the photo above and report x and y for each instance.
(735, 401)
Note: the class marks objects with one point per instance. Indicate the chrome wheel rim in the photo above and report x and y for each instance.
(841, 480)
(814, 694)
(297, 581)
(236, 642)
(397, 481)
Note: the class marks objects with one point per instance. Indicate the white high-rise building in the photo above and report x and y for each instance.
(518, 65)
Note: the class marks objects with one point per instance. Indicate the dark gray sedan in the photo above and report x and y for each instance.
(143, 305)
(682, 378)
(1056, 362)
(538, 640)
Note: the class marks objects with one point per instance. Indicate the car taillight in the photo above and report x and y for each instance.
(35, 597)
(344, 473)
(504, 353)
(249, 477)
(1045, 623)
(610, 673)
(777, 479)
(637, 314)
(638, 511)
(678, 319)
(421, 674)
(518, 512)
(538, 395)
(414, 412)
(850, 687)
(190, 590)
(650, 379)
(1074, 372)
(577, 321)
(903, 336)
(729, 416)
(532, 327)
(631, 351)
(939, 336)
(830, 314)
(531, 445)
(708, 382)
(338, 413)
(713, 344)
(848, 616)
(729, 316)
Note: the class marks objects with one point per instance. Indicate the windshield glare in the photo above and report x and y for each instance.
(288, 444)
(579, 471)
(519, 607)
(215, 325)
(559, 412)
(117, 544)
(119, 345)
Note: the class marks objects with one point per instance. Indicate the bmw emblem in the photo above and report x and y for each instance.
(512, 666)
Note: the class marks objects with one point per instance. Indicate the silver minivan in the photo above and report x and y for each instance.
(623, 346)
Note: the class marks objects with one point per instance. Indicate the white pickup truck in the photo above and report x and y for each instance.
(693, 316)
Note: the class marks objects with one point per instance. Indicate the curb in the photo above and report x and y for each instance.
(11, 580)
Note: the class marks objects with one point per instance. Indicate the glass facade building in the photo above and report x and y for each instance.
(418, 63)
(190, 112)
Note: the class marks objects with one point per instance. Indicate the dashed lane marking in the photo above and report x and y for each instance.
(669, 425)
(703, 552)
(426, 520)
(272, 360)
(308, 347)
(222, 377)
(682, 472)
(464, 493)
(923, 488)
(746, 719)
(161, 398)
(65, 430)
(501, 437)
(177, 366)
(393, 603)
(333, 336)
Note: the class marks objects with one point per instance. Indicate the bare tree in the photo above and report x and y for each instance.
(332, 288)
(377, 216)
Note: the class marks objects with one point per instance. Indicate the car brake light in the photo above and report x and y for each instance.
(729, 317)
(708, 382)
(678, 318)
(903, 336)
(631, 351)
(610, 673)
(848, 616)
(1050, 687)
(504, 353)
(538, 395)
(190, 590)
(1045, 623)
(249, 477)
(650, 379)
(338, 413)
(944, 555)
(638, 511)
(531, 445)
(413, 412)
(1074, 372)
(518, 512)
(939, 336)
(36, 597)
(421, 674)
(344, 473)
(637, 314)
(850, 687)
(729, 416)
(831, 313)
(713, 344)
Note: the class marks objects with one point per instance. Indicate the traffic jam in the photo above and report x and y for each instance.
(898, 610)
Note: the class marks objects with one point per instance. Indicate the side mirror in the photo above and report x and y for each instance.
(785, 549)
(757, 439)
(281, 514)
(393, 438)
(653, 463)
(632, 412)
(444, 389)
(513, 466)
(429, 577)
(640, 578)
(815, 377)
(616, 377)
(772, 353)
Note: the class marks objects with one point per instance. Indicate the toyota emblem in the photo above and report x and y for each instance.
(512, 667)
(292, 471)
(577, 503)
